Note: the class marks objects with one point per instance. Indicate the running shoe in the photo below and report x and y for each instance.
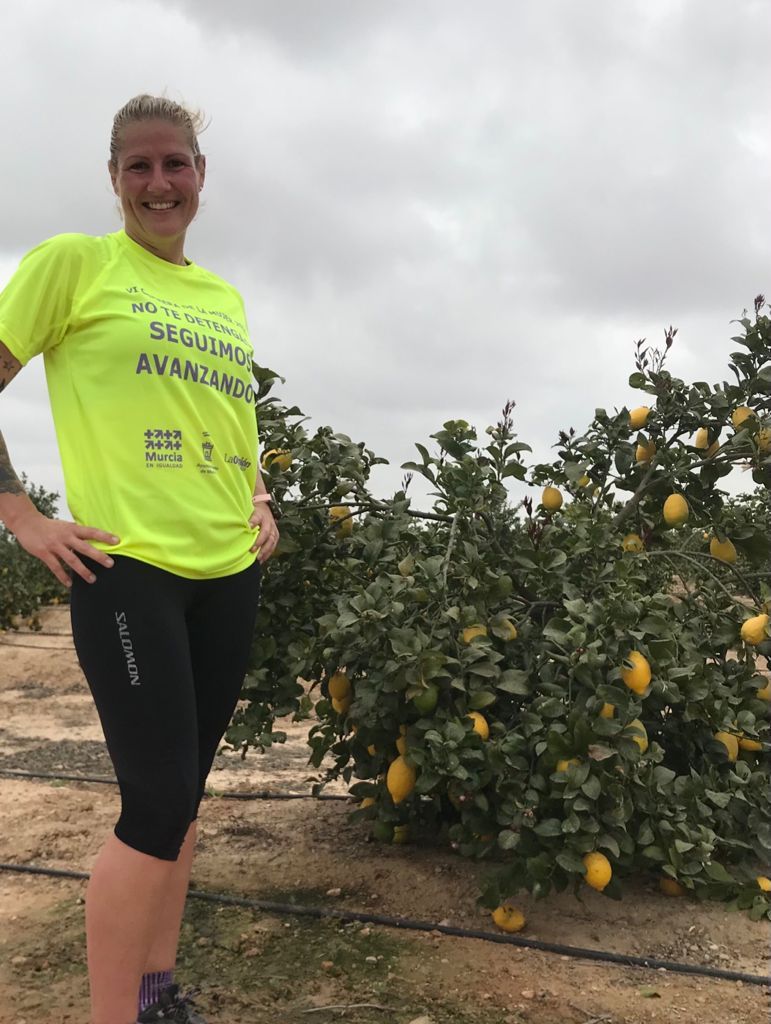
(172, 1007)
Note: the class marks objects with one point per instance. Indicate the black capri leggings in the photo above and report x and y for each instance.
(165, 659)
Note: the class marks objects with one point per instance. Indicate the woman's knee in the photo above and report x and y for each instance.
(155, 818)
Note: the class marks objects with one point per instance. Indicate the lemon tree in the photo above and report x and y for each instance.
(26, 584)
(527, 683)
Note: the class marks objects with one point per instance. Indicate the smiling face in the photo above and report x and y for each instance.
(157, 178)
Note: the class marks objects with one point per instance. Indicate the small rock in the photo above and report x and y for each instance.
(327, 965)
(337, 891)
(422, 1020)
(527, 993)
(366, 932)
(203, 941)
(18, 961)
(445, 922)
(370, 959)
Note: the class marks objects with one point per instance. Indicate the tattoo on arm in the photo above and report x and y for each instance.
(9, 482)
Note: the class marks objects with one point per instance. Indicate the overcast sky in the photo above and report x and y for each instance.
(430, 206)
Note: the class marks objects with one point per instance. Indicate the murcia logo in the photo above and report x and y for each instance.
(163, 448)
(207, 447)
(128, 648)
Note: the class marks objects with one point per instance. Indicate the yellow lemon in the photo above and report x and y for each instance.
(368, 801)
(639, 734)
(639, 417)
(472, 632)
(598, 870)
(551, 499)
(676, 510)
(341, 706)
(724, 550)
(740, 416)
(764, 439)
(730, 742)
(645, 452)
(341, 515)
(670, 886)
(280, 457)
(747, 744)
(510, 628)
(702, 438)
(339, 686)
(508, 918)
(564, 763)
(754, 630)
(764, 693)
(584, 481)
(481, 728)
(764, 883)
(401, 834)
(400, 780)
(607, 710)
(633, 543)
(401, 744)
(636, 672)
(372, 750)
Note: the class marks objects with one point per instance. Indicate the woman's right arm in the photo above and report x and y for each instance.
(53, 541)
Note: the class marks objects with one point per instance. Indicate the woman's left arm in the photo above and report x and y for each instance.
(262, 516)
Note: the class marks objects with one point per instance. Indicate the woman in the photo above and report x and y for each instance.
(148, 365)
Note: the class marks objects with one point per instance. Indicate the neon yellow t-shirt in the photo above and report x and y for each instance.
(149, 370)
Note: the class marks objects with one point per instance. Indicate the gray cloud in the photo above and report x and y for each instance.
(433, 207)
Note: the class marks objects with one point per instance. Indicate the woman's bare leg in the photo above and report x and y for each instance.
(163, 951)
(124, 893)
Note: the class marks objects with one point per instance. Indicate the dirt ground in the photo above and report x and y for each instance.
(253, 967)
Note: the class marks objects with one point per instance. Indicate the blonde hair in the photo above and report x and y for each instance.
(156, 108)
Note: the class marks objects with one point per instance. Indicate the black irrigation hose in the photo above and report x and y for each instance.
(263, 794)
(406, 923)
(35, 647)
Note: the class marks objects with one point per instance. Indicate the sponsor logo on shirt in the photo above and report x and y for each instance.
(207, 447)
(163, 448)
(237, 460)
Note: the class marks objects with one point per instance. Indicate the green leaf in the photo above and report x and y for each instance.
(508, 840)
(554, 559)
(717, 872)
(549, 827)
(481, 699)
(598, 752)
(592, 787)
(485, 669)
(514, 680)
(570, 862)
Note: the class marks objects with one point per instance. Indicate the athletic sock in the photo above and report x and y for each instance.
(151, 987)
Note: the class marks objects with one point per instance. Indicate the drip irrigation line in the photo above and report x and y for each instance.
(408, 924)
(34, 632)
(262, 794)
(35, 647)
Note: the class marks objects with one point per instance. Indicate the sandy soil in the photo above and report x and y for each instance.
(306, 850)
